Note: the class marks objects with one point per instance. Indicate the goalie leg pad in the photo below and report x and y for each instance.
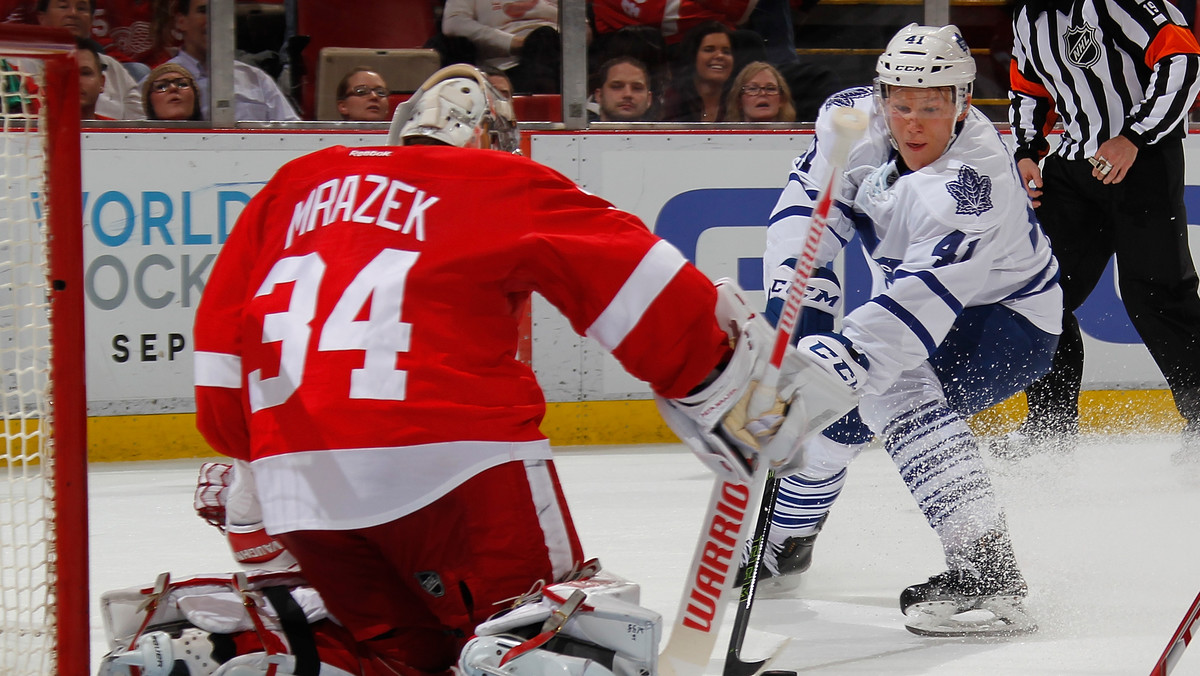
(607, 629)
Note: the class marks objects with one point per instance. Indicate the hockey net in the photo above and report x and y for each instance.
(44, 627)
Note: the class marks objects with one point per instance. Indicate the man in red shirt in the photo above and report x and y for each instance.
(356, 343)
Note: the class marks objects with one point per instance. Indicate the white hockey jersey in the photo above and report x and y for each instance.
(958, 233)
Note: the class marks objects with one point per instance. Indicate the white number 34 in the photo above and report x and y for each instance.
(381, 336)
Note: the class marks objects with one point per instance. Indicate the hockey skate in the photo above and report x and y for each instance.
(986, 599)
(783, 563)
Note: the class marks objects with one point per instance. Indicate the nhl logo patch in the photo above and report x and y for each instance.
(1083, 45)
(972, 192)
(432, 583)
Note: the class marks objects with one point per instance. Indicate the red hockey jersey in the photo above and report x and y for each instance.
(674, 18)
(356, 340)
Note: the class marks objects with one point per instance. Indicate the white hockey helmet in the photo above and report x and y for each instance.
(927, 57)
(457, 106)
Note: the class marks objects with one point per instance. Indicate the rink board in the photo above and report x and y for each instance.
(158, 206)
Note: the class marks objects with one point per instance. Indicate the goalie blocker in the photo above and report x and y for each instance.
(817, 385)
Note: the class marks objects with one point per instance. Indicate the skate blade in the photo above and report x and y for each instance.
(998, 616)
(779, 586)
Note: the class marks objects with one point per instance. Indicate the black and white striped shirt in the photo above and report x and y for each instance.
(1106, 67)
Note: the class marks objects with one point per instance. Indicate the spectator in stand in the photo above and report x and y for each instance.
(121, 98)
(170, 94)
(519, 37)
(624, 94)
(672, 19)
(256, 95)
(362, 96)
(500, 81)
(703, 72)
(91, 79)
(135, 32)
(760, 94)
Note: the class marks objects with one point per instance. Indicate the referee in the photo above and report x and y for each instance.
(1121, 75)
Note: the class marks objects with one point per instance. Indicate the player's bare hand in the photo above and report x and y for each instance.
(1031, 178)
(1113, 160)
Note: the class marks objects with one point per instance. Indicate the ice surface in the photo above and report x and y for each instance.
(1108, 539)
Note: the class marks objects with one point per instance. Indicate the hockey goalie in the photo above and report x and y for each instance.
(356, 351)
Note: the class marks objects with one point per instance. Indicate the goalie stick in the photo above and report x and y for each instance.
(848, 126)
(1179, 641)
(726, 522)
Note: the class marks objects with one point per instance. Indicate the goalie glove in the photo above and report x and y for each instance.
(715, 421)
(226, 498)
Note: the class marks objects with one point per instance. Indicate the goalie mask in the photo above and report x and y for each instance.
(927, 57)
(457, 106)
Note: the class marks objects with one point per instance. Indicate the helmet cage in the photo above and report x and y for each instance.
(457, 106)
(926, 57)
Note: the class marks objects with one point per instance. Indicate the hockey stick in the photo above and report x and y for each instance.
(848, 126)
(734, 664)
(694, 633)
(1179, 641)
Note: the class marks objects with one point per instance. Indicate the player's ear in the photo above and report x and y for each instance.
(966, 109)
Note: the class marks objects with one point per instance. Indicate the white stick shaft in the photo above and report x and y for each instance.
(848, 126)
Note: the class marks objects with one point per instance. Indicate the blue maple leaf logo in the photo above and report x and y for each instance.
(846, 99)
(972, 192)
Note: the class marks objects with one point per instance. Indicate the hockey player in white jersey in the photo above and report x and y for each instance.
(965, 311)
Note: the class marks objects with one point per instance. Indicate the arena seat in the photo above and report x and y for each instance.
(367, 24)
(538, 107)
(403, 69)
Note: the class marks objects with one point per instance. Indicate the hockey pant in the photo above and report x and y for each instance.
(989, 354)
(413, 589)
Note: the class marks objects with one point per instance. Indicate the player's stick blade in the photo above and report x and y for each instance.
(735, 666)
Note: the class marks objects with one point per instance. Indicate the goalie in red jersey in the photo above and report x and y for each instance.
(356, 344)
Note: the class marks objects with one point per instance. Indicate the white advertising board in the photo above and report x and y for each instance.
(157, 207)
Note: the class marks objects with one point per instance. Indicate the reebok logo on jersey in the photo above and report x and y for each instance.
(972, 192)
(370, 153)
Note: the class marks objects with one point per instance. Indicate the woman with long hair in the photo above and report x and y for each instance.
(703, 71)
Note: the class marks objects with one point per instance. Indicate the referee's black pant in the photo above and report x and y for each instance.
(1143, 222)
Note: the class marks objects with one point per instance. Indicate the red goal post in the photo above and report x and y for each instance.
(44, 625)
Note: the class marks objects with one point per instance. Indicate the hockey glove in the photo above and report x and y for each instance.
(226, 498)
(715, 421)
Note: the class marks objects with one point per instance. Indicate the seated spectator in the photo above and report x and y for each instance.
(256, 96)
(673, 19)
(362, 96)
(759, 94)
(703, 72)
(643, 43)
(624, 94)
(519, 37)
(170, 94)
(500, 81)
(91, 79)
(137, 33)
(121, 98)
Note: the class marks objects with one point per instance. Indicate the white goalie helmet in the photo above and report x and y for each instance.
(459, 107)
(927, 57)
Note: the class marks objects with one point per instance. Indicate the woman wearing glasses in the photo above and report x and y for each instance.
(759, 94)
(362, 96)
(169, 93)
